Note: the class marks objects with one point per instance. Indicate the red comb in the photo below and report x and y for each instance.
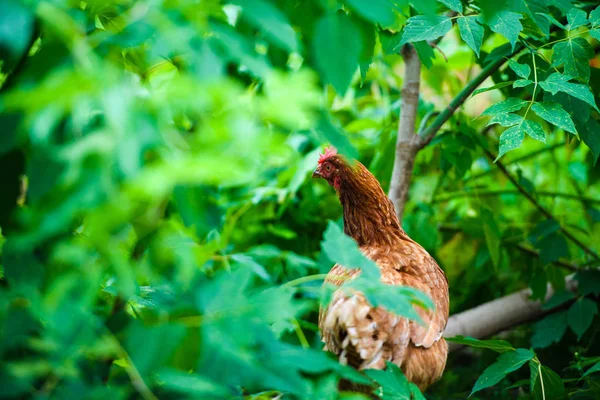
(329, 152)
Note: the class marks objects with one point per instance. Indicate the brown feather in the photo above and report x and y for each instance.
(364, 336)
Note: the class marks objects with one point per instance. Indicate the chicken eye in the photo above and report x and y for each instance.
(328, 167)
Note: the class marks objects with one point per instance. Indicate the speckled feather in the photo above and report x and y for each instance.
(364, 336)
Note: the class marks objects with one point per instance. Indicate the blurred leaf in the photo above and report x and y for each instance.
(559, 297)
(337, 48)
(393, 383)
(549, 330)
(588, 282)
(592, 370)
(271, 21)
(454, 5)
(16, 31)
(382, 12)
(425, 53)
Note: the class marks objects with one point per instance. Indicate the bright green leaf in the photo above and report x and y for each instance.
(511, 139)
(519, 83)
(496, 86)
(499, 346)
(507, 24)
(422, 27)
(555, 114)
(535, 130)
(382, 12)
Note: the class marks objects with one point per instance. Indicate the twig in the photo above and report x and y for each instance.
(535, 253)
(491, 193)
(466, 92)
(539, 207)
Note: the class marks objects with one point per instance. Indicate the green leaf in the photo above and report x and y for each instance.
(552, 388)
(580, 315)
(522, 83)
(511, 139)
(394, 385)
(574, 55)
(505, 364)
(588, 282)
(549, 330)
(16, 30)
(553, 20)
(337, 45)
(590, 134)
(273, 23)
(592, 370)
(523, 70)
(506, 120)
(499, 346)
(534, 129)
(496, 86)
(335, 136)
(552, 248)
(560, 297)
(595, 21)
(425, 53)
(382, 12)
(576, 17)
(508, 105)
(422, 27)
(191, 384)
(560, 83)
(454, 5)
(343, 250)
(493, 236)
(471, 32)
(555, 114)
(506, 23)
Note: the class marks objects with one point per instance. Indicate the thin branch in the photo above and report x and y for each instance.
(407, 143)
(539, 207)
(519, 159)
(470, 192)
(535, 253)
(466, 92)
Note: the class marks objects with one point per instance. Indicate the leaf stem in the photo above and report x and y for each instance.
(541, 380)
(304, 279)
(564, 39)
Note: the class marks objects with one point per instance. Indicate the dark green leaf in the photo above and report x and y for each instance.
(549, 330)
(505, 364)
(552, 388)
(588, 282)
(425, 53)
(499, 346)
(580, 315)
(592, 370)
(505, 120)
(16, 30)
(519, 83)
(394, 385)
(560, 297)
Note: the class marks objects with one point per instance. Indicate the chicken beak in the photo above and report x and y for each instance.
(317, 173)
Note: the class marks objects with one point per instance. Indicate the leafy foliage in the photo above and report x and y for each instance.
(161, 238)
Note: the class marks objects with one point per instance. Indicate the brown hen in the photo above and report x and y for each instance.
(364, 336)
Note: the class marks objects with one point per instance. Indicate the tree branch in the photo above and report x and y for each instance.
(407, 143)
(500, 314)
(464, 94)
(539, 207)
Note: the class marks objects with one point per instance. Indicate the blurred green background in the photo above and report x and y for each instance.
(161, 236)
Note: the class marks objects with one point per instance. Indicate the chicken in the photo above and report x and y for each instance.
(364, 336)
